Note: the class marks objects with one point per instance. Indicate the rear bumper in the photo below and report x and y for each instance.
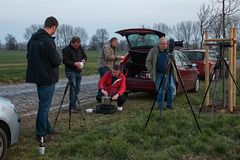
(140, 85)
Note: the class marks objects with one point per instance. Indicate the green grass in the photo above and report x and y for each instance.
(13, 66)
(122, 135)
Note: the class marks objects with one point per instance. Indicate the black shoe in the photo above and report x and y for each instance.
(170, 107)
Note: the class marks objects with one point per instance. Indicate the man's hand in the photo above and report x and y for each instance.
(119, 57)
(115, 97)
(78, 65)
(105, 93)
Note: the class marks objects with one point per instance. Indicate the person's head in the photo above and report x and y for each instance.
(50, 25)
(162, 43)
(114, 42)
(75, 42)
(115, 70)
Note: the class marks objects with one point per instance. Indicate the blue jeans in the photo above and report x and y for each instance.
(167, 84)
(45, 94)
(102, 71)
(75, 78)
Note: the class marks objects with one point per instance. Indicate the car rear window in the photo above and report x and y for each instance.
(195, 56)
(146, 40)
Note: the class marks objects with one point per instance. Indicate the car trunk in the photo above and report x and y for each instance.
(135, 66)
(137, 76)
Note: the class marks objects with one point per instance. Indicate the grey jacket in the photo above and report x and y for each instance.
(106, 57)
(151, 62)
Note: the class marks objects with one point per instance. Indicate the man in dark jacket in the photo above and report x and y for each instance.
(74, 58)
(42, 69)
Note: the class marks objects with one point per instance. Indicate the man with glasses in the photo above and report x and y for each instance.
(158, 62)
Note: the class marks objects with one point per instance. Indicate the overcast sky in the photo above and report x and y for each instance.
(113, 15)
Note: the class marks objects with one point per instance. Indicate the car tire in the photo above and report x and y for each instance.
(3, 143)
(196, 86)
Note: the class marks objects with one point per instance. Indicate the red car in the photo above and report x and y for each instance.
(198, 57)
(140, 41)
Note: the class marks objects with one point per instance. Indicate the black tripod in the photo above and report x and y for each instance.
(220, 60)
(171, 61)
(70, 83)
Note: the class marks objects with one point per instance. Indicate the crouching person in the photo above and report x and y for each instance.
(113, 84)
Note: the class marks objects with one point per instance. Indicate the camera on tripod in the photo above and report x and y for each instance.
(173, 44)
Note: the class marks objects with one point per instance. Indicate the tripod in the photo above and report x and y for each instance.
(171, 63)
(70, 83)
(219, 62)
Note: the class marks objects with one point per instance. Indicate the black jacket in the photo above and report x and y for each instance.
(42, 59)
(71, 55)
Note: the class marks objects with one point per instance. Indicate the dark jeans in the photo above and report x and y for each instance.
(75, 78)
(102, 71)
(45, 94)
(120, 101)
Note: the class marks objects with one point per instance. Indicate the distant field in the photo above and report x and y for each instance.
(13, 65)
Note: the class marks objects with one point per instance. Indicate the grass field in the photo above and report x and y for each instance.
(122, 135)
(13, 65)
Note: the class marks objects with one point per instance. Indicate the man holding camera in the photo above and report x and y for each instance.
(159, 64)
(74, 58)
(43, 61)
(107, 57)
(113, 84)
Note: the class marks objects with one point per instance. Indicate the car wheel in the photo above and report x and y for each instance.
(3, 143)
(197, 85)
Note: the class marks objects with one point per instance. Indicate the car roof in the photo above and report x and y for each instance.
(198, 50)
(126, 32)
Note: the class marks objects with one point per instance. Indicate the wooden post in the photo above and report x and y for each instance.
(230, 81)
(206, 60)
(234, 64)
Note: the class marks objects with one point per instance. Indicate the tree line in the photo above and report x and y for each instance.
(216, 18)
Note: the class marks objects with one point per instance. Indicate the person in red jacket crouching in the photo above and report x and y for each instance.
(113, 84)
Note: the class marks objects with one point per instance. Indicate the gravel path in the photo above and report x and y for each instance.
(24, 95)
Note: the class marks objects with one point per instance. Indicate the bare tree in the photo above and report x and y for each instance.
(11, 42)
(177, 33)
(227, 9)
(205, 20)
(183, 31)
(195, 34)
(102, 35)
(123, 45)
(93, 44)
(162, 27)
(30, 30)
(64, 34)
(81, 33)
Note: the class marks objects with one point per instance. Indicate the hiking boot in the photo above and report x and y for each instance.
(170, 107)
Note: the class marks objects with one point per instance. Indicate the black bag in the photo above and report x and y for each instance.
(106, 108)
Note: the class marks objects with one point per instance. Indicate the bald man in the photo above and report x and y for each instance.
(158, 64)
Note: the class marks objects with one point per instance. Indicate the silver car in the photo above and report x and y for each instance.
(9, 125)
